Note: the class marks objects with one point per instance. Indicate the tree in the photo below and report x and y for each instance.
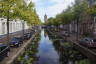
(92, 12)
(6, 9)
(17, 9)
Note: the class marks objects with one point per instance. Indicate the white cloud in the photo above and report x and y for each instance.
(35, 0)
(51, 11)
(58, 7)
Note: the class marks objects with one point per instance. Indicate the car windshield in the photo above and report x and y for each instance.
(94, 40)
(15, 38)
(90, 39)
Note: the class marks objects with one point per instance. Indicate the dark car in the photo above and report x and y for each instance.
(44, 26)
(16, 41)
(4, 51)
(88, 42)
(65, 33)
(27, 36)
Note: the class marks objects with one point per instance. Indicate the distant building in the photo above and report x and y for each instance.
(91, 2)
(45, 18)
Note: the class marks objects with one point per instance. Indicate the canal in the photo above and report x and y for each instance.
(51, 49)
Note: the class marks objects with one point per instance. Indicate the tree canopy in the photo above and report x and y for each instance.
(19, 9)
(72, 13)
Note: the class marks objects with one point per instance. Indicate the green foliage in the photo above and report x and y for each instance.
(70, 14)
(29, 55)
(80, 8)
(92, 11)
(19, 9)
(50, 21)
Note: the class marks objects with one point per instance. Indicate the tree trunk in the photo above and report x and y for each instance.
(8, 28)
(77, 29)
(23, 27)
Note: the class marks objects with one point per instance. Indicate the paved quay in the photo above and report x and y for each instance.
(15, 52)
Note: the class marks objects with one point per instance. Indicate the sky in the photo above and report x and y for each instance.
(51, 7)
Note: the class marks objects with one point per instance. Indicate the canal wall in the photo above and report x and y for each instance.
(22, 50)
(87, 52)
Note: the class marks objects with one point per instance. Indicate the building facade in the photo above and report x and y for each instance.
(91, 2)
(15, 25)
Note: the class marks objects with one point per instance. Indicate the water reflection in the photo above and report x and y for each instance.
(51, 49)
(68, 54)
(47, 54)
(29, 55)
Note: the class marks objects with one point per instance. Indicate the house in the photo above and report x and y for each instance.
(15, 25)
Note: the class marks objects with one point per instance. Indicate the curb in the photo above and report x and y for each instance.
(21, 51)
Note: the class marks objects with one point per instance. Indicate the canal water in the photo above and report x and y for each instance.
(54, 50)
(51, 49)
(46, 51)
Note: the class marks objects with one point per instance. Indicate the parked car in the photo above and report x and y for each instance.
(16, 41)
(27, 36)
(44, 26)
(4, 51)
(65, 33)
(88, 42)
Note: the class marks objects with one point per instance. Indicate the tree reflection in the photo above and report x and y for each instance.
(68, 54)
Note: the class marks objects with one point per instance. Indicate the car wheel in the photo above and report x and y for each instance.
(8, 53)
(18, 45)
(22, 42)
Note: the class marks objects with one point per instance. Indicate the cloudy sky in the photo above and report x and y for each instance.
(51, 7)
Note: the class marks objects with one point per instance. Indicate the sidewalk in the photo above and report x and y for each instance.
(15, 52)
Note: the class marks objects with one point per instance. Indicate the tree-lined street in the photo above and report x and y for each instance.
(65, 35)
